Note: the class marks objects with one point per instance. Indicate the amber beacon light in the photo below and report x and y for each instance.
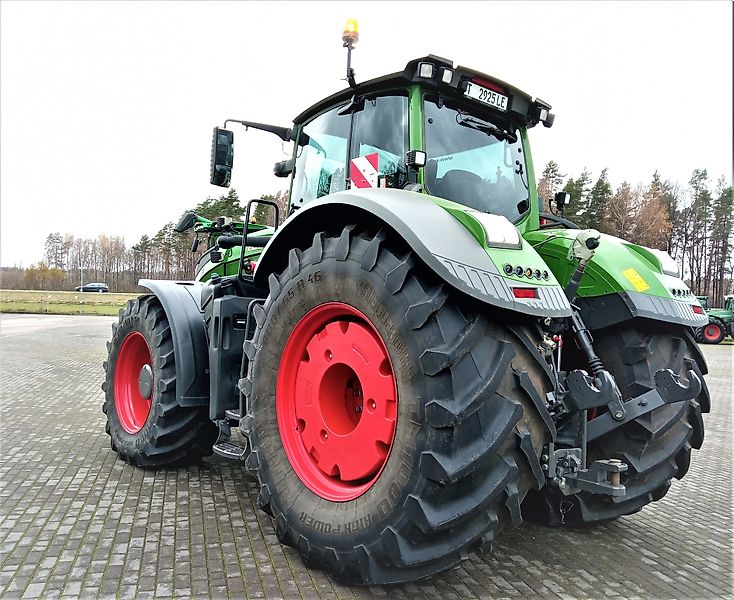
(351, 32)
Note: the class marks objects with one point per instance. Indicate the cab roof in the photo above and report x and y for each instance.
(521, 106)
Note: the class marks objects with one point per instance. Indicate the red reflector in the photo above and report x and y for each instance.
(697, 309)
(489, 84)
(525, 292)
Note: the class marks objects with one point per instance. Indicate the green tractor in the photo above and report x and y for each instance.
(720, 321)
(419, 358)
(224, 241)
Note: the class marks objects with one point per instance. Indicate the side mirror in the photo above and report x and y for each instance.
(222, 157)
(562, 199)
(186, 222)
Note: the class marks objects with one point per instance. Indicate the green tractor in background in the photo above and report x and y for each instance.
(419, 357)
(224, 240)
(720, 321)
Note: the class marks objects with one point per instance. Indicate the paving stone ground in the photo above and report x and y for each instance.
(77, 522)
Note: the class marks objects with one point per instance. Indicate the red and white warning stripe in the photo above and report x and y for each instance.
(363, 171)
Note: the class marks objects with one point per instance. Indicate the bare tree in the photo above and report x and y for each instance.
(620, 217)
(652, 225)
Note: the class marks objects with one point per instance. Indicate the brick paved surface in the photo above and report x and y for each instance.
(75, 521)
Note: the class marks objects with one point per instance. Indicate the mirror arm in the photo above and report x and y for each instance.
(284, 133)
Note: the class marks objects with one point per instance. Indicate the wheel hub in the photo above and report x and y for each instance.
(711, 332)
(145, 382)
(336, 402)
(133, 382)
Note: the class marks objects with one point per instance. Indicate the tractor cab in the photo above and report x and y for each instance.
(446, 131)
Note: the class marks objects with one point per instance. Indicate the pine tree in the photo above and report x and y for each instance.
(549, 183)
(599, 198)
(54, 250)
(227, 205)
(578, 209)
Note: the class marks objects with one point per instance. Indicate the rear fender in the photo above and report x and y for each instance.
(181, 302)
(440, 240)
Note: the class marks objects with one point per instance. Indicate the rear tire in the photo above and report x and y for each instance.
(146, 425)
(656, 446)
(466, 439)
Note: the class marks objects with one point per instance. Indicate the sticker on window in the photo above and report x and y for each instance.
(363, 171)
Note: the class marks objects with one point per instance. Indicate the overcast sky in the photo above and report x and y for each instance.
(106, 109)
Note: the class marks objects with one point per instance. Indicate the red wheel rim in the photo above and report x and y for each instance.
(133, 382)
(712, 332)
(336, 402)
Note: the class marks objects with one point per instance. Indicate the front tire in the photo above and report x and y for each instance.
(368, 347)
(146, 425)
(656, 446)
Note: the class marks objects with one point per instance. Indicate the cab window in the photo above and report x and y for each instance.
(475, 159)
(381, 127)
(320, 157)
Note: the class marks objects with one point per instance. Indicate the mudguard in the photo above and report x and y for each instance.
(440, 240)
(181, 301)
(622, 281)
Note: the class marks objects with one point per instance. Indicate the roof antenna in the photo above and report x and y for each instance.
(350, 36)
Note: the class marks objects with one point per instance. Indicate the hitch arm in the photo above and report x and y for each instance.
(669, 389)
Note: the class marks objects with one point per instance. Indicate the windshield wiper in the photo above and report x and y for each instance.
(472, 123)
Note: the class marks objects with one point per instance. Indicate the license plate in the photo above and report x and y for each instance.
(489, 97)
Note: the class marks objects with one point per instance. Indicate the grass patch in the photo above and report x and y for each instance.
(62, 303)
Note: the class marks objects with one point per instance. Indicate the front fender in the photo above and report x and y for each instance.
(181, 302)
(622, 281)
(439, 239)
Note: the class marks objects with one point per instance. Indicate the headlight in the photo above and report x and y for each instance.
(669, 266)
(499, 230)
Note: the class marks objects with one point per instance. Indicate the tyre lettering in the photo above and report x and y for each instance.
(394, 491)
(339, 528)
(382, 314)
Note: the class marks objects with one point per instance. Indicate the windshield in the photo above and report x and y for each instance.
(474, 161)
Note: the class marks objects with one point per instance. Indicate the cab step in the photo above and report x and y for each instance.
(233, 414)
(229, 450)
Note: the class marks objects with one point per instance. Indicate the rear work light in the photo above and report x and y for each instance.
(525, 293)
(426, 70)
